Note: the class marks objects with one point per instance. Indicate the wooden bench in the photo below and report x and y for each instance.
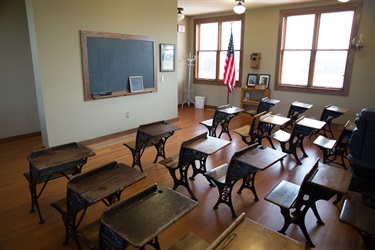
(290, 198)
(332, 148)
(190, 242)
(250, 133)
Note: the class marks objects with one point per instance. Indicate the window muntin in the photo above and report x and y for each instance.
(315, 49)
(211, 45)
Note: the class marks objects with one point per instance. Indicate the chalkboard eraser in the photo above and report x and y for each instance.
(105, 93)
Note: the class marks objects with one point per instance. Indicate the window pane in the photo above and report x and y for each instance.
(330, 69)
(207, 65)
(334, 31)
(209, 36)
(225, 34)
(299, 32)
(223, 56)
(295, 69)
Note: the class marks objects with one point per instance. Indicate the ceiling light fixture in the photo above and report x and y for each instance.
(343, 1)
(239, 8)
(180, 16)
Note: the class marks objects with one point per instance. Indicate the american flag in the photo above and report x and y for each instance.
(229, 78)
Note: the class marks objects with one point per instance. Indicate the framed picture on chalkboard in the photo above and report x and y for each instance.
(136, 83)
(167, 54)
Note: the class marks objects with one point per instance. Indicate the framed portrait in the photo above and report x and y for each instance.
(251, 80)
(136, 83)
(167, 55)
(264, 79)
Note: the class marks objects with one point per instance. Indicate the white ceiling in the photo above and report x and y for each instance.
(200, 7)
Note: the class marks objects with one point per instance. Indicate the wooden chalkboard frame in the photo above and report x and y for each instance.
(148, 86)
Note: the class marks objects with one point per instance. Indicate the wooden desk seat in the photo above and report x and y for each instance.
(62, 208)
(190, 242)
(362, 219)
(289, 142)
(250, 133)
(332, 148)
(226, 176)
(89, 234)
(290, 198)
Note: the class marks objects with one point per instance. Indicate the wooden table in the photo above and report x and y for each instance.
(268, 122)
(244, 233)
(295, 110)
(51, 163)
(101, 184)
(139, 219)
(200, 150)
(227, 114)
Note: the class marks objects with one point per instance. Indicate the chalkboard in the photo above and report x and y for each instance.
(109, 59)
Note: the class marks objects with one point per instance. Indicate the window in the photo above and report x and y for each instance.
(315, 53)
(211, 45)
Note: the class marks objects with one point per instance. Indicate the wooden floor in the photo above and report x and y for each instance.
(20, 230)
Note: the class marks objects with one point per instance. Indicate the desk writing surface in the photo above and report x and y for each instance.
(231, 110)
(208, 145)
(272, 101)
(261, 157)
(59, 156)
(104, 182)
(311, 123)
(274, 119)
(253, 236)
(302, 105)
(139, 220)
(159, 128)
(332, 178)
(337, 109)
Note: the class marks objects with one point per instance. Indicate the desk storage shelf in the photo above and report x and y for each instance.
(250, 97)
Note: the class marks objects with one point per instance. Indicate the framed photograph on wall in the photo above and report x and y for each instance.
(136, 83)
(251, 80)
(264, 79)
(167, 55)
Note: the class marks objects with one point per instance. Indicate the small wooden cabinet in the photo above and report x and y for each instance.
(250, 97)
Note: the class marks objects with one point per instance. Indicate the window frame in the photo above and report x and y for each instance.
(219, 20)
(318, 10)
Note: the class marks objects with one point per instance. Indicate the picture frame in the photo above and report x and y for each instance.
(251, 80)
(167, 57)
(264, 79)
(136, 83)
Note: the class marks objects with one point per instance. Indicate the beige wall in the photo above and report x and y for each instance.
(18, 105)
(261, 29)
(67, 117)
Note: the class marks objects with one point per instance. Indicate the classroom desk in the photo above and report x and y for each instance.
(244, 233)
(139, 219)
(227, 114)
(264, 105)
(268, 122)
(296, 108)
(101, 184)
(51, 163)
(160, 131)
(331, 112)
(258, 158)
(200, 150)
